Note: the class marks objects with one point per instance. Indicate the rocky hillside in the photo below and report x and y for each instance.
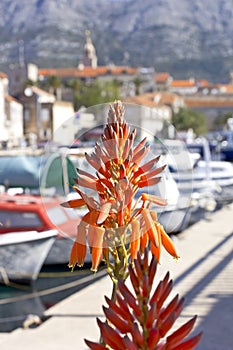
(185, 37)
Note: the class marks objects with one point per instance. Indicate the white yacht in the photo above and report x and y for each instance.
(201, 177)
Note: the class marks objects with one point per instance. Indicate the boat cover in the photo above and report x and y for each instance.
(29, 171)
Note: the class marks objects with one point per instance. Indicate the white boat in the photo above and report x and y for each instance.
(222, 142)
(198, 196)
(216, 173)
(22, 254)
(204, 180)
(221, 174)
(175, 216)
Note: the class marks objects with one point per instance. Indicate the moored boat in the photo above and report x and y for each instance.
(19, 213)
(23, 254)
(202, 178)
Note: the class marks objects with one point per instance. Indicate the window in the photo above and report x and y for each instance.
(13, 219)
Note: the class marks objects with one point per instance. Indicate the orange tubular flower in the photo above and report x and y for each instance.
(79, 248)
(167, 242)
(154, 199)
(118, 228)
(97, 247)
(119, 175)
(150, 227)
(74, 203)
(156, 251)
(144, 242)
(135, 239)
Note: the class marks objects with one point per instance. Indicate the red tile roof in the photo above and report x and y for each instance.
(3, 75)
(162, 77)
(11, 99)
(86, 72)
(225, 88)
(208, 101)
(154, 99)
(142, 100)
(169, 98)
(183, 83)
(202, 82)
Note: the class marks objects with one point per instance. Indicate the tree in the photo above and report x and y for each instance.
(187, 118)
(75, 84)
(137, 83)
(96, 92)
(221, 120)
(53, 85)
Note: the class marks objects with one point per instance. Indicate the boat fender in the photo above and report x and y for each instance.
(31, 321)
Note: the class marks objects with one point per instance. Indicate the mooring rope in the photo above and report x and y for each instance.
(52, 290)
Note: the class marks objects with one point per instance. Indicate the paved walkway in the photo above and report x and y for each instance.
(204, 275)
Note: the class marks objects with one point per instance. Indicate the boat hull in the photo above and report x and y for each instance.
(175, 219)
(23, 254)
(19, 307)
(60, 252)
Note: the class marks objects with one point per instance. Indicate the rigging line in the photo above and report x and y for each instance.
(54, 289)
(61, 274)
(7, 281)
(42, 275)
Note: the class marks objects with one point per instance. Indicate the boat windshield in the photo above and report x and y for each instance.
(16, 219)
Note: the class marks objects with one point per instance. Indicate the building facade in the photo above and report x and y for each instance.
(11, 116)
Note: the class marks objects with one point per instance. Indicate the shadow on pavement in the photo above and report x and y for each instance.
(217, 325)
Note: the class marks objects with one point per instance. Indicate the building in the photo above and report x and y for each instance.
(37, 113)
(14, 121)
(184, 87)
(11, 116)
(45, 118)
(211, 106)
(63, 125)
(200, 95)
(131, 79)
(19, 76)
(151, 113)
(163, 81)
(89, 53)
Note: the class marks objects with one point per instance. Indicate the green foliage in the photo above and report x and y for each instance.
(54, 82)
(138, 82)
(51, 84)
(188, 118)
(96, 92)
(29, 82)
(221, 120)
(75, 84)
(87, 93)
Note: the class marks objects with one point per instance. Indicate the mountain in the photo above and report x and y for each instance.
(184, 37)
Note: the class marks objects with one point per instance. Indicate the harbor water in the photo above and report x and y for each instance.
(22, 304)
